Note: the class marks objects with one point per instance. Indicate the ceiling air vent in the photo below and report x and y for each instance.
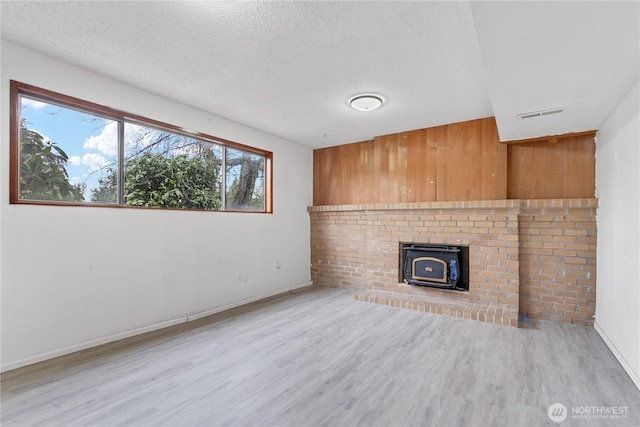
(542, 113)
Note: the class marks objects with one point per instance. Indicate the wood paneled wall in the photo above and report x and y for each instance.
(455, 162)
(552, 168)
(460, 161)
(341, 174)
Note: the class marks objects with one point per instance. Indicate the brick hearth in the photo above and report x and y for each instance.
(446, 307)
(535, 257)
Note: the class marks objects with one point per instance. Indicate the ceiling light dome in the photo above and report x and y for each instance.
(366, 102)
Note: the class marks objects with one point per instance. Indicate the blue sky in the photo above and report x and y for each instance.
(89, 141)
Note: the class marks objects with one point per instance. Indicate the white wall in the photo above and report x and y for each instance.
(74, 277)
(618, 188)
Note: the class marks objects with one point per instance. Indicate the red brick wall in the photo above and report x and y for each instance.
(357, 246)
(339, 255)
(558, 260)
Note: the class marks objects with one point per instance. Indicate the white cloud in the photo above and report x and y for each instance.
(106, 142)
(74, 160)
(45, 138)
(32, 103)
(137, 137)
(94, 161)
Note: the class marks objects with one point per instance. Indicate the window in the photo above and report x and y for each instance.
(244, 179)
(72, 152)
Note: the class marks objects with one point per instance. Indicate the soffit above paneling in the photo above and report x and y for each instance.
(572, 62)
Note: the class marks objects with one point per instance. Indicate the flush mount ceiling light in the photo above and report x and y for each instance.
(365, 102)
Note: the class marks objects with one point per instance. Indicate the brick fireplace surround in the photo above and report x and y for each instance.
(530, 258)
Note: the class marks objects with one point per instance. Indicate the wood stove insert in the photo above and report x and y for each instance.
(440, 266)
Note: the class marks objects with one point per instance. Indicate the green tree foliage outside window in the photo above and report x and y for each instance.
(43, 173)
(156, 181)
(175, 182)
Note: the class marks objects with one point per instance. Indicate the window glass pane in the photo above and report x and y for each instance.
(244, 180)
(64, 154)
(66, 150)
(167, 170)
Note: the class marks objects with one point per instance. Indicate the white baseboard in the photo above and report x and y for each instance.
(627, 367)
(200, 315)
(138, 331)
(88, 344)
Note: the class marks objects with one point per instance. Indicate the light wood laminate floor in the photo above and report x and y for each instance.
(317, 357)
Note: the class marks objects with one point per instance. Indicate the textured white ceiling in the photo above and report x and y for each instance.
(581, 56)
(288, 68)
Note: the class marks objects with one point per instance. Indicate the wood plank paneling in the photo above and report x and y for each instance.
(421, 166)
(494, 176)
(557, 168)
(455, 162)
(441, 136)
(474, 162)
(402, 169)
(341, 174)
(414, 151)
(390, 170)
